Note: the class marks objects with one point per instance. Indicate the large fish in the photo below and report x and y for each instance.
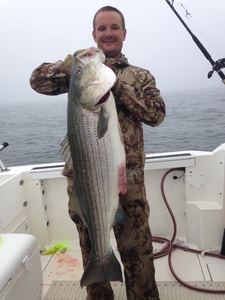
(95, 142)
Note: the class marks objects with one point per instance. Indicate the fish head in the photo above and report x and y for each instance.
(91, 80)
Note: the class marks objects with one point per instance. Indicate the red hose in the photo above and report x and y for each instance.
(168, 249)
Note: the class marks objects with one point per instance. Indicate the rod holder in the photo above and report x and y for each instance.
(2, 167)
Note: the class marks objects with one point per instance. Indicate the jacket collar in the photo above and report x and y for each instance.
(121, 62)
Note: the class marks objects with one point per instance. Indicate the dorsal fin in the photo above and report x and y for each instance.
(66, 153)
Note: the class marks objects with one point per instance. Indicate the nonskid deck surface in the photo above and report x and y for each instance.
(70, 290)
(67, 267)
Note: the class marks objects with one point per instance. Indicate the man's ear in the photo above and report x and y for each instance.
(124, 34)
(94, 35)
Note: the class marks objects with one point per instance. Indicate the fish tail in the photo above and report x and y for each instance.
(107, 269)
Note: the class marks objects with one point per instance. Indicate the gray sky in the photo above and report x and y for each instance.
(36, 31)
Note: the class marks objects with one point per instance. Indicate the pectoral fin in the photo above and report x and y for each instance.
(103, 122)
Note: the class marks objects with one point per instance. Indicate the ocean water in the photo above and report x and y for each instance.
(195, 120)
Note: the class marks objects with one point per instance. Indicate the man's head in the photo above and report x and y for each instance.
(109, 31)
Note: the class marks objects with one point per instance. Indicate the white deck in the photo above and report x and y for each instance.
(188, 266)
(197, 198)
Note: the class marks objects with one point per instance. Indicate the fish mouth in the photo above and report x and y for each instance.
(104, 98)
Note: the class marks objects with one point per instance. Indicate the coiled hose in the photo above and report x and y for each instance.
(167, 250)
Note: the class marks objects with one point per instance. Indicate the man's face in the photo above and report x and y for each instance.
(109, 34)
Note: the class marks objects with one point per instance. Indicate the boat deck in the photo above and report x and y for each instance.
(188, 266)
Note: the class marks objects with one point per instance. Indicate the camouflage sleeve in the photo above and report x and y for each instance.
(139, 94)
(52, 78)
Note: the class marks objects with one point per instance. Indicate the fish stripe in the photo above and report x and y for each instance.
(95, 150)
(86, 150)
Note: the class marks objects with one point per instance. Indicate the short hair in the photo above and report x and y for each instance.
(109, 8)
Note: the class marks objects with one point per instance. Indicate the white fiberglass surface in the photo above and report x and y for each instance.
(188, 266)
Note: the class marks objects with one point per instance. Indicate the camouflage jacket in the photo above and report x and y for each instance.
(137, 100)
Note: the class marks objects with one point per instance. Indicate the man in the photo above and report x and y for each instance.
(137, 100)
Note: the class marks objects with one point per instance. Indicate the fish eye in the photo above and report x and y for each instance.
(78, 71)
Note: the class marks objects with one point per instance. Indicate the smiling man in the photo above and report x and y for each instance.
(137, 100)
(109, 32)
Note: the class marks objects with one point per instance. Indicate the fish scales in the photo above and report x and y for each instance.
(93, 157)
(94, 149)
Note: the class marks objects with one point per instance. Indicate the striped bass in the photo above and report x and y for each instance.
(94, 147)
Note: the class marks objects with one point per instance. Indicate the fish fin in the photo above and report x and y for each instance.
(122, 178)
(66, 152)
(107, 269)
(103, 122)
(120, 216)
(75, 205)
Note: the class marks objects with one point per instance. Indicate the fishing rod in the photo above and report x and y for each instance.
(216, 65)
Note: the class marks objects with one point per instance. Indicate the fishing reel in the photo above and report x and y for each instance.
(218, 65)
